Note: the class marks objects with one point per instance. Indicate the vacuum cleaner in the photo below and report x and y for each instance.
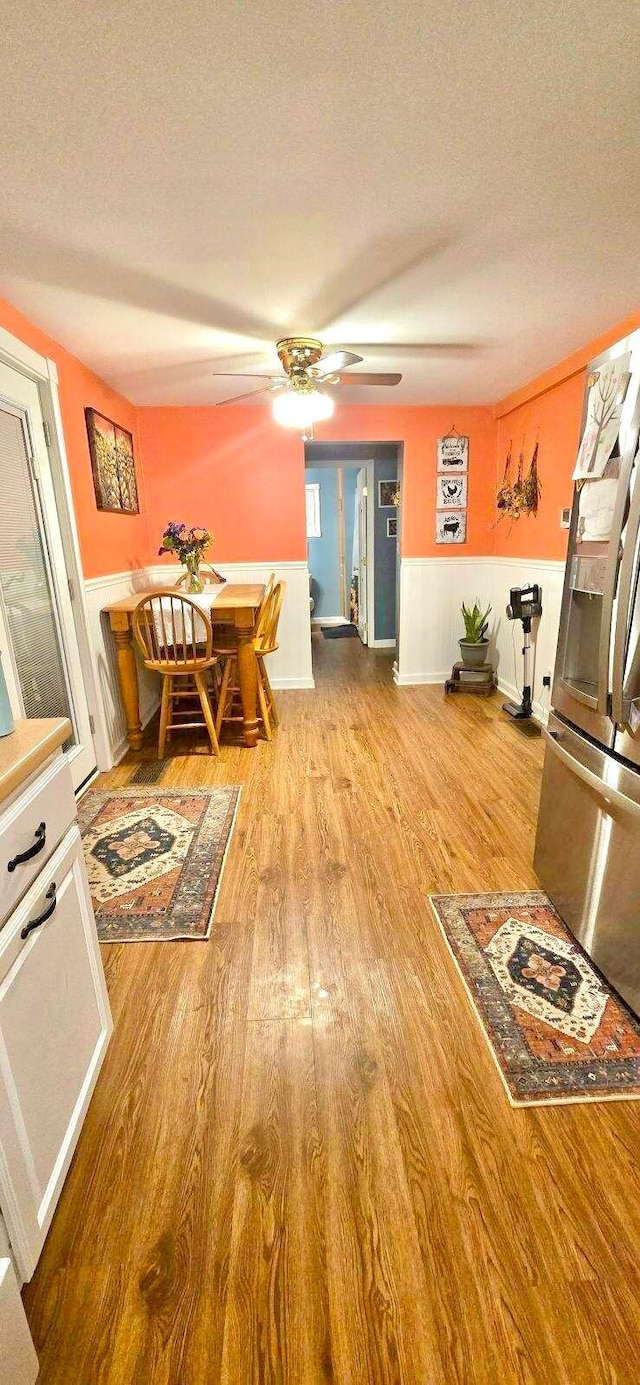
(524, 604)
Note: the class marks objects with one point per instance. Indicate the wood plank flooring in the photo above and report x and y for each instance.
(299, 1165)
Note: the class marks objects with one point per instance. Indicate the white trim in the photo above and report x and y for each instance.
(138, 578)
(370, 468)
(410, 680)
(382, 644)
(486, 560)
(16, 353)
(44, 372)
(282, 684)
(432, 590)
(318, 621)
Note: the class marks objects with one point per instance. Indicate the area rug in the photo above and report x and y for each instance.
(555, 1028)
(340, 632)
(155, 859)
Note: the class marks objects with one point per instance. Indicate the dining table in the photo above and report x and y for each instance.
(231, 608)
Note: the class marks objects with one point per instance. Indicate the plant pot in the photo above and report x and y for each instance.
(474, 654)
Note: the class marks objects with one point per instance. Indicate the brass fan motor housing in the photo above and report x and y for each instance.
(297, 354)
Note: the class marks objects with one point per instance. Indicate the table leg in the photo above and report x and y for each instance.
(128, 680)
(248, 681)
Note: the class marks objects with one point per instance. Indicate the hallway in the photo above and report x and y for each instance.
(300, 1165)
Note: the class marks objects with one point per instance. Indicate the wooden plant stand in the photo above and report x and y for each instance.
(483, 680)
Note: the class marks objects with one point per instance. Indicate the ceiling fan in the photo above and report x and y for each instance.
(300, 402)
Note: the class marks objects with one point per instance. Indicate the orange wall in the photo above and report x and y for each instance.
(242, 475)
(549, 408)
(554, 418)
(237, 472)
(108, 543)
(418, 428)
(232, 470)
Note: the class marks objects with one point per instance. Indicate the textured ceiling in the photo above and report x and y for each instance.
(185, 182)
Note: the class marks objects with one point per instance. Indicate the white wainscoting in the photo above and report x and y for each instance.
(289, 667)
(431, 593)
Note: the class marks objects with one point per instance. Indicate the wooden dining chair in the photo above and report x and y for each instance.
(265, 642)
(225, 640)
(174, 637)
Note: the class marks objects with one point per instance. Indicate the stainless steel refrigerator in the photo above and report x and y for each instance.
(587, 854)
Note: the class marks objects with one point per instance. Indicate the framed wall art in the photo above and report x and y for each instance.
(451, 493)
(388, 494)
(112, 464)
(453, 452)
(392, 528)
(451, 526)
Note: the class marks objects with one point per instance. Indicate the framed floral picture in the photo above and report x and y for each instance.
(113, 464)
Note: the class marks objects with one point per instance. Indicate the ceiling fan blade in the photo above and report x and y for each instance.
(367, 377)
(421, 348)
(266, 389)
(337, 360)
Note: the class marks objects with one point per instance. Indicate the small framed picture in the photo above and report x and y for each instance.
(388, 495)
(451, 526)
(453, 453)
(451, 492)
(392, 528)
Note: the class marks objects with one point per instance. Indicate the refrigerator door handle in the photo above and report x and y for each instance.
(625, 589)
(612, 796)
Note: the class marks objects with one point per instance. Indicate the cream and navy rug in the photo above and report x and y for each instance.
(556, 1029)
(155, 859)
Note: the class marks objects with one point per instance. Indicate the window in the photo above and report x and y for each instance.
(312, 495)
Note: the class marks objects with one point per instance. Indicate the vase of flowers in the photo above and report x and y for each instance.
(190, 546)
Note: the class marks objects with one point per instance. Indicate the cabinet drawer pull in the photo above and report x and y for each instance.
(42, 918)
(38, 845)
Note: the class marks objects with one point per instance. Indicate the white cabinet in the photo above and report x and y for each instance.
(55, 1025)
(18, 1360)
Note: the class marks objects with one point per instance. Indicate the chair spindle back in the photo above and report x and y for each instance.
(172, 632)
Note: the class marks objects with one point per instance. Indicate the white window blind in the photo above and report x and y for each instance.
(26, 588)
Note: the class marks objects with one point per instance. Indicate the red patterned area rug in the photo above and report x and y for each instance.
(556, 1029)
(155, 859)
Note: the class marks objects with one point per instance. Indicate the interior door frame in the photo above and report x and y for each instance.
(44, 373)
(369, 557)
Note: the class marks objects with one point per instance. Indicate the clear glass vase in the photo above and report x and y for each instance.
(194, 584)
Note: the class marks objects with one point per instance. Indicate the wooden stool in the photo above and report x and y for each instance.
(175, 639)
(475, 680)
(265, 642)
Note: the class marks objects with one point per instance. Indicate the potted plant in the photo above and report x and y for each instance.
(473, 647)
(190, 546)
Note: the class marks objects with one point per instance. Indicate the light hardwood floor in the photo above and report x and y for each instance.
(300, 1165)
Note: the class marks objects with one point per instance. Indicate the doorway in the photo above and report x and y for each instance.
(38, 639)
(353, 532)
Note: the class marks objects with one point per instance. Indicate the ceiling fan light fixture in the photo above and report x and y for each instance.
(294, 409)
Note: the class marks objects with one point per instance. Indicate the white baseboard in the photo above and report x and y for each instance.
(382, 644)
(284, 684)
(410, 680)
(319, 621)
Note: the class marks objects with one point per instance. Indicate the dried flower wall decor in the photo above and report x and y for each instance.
(522, 496)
